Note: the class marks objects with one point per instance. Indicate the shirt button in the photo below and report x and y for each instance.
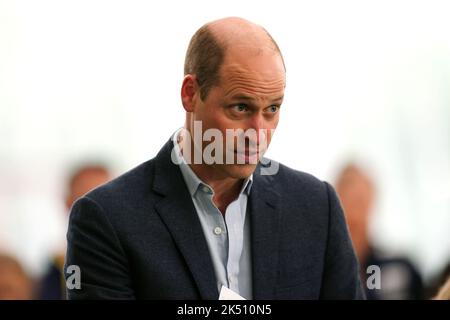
(217, 230)
(205, 189)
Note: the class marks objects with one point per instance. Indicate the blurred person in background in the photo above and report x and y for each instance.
(444, 291)
(15, 284)
(436, 285)
(83, 179)
(399, 278)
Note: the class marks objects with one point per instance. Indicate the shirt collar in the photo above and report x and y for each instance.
(193, 182)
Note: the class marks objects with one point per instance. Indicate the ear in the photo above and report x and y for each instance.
(189, 92)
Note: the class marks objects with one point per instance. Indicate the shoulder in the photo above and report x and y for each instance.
(127, 189)
(300, 197)
(289, 181)
(117, 208)
(299, 178)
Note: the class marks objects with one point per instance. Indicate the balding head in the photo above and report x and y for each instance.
(234, 32)
(217, 40)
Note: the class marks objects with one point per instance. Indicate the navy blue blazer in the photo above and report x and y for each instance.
(139, 236)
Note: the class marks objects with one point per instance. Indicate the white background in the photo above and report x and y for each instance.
(366, 80)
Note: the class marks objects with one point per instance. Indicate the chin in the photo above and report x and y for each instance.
(240, 171)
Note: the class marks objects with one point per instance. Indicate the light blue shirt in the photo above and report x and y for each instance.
(228, 238)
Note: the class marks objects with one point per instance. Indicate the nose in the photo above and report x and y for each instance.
(257, 123)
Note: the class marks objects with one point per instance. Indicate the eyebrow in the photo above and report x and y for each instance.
(248, 98)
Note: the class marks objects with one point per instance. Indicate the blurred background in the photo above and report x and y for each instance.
(96, 83)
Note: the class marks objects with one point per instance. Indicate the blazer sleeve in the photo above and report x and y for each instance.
(94, 247)
(341, 278)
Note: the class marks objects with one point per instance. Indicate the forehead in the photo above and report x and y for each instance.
(252, 70)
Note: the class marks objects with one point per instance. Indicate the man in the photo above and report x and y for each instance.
(399, 279)
(83, 179)
(196, 219)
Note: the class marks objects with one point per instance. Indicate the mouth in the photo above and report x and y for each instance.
(247, 156)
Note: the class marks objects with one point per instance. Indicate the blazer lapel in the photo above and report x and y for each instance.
(177, 211)
(264, 221)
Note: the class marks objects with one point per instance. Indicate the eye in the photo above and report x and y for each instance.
(240, 107)
(273, 108)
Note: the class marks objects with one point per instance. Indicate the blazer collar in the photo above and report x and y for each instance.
(177, 211)
(265, 225)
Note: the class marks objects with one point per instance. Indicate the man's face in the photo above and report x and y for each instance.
(249, 96)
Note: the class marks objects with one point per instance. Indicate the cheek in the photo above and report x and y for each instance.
(209, 114)
(273, 123)
(218, 119)
(271, 129)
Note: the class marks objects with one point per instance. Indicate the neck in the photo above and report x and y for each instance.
(226, 189)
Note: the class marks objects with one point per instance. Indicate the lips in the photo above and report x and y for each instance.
(247, 157)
